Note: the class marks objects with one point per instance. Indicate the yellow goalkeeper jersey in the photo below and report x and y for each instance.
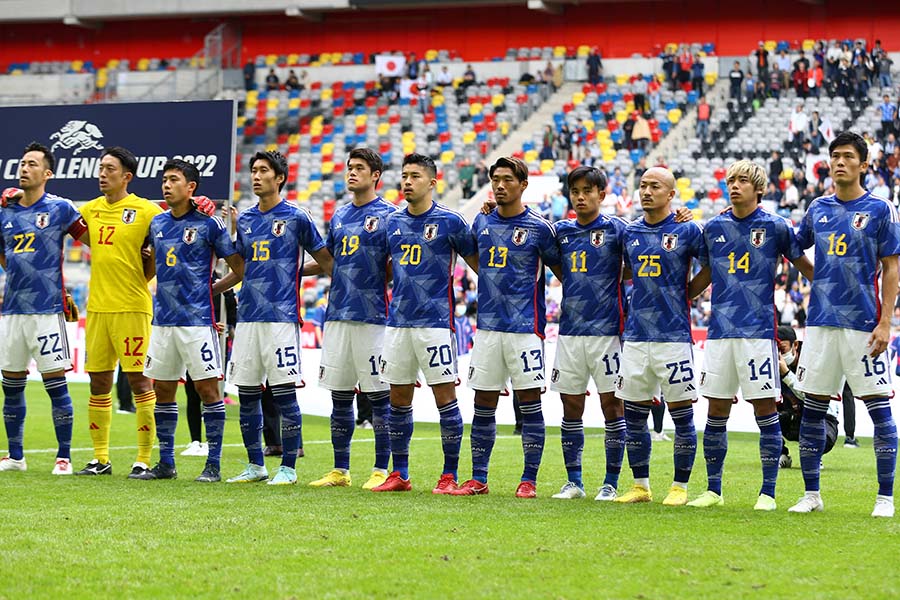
(118, 231)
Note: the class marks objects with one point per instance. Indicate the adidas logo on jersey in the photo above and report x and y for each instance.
(397, 232)
(339, 226)
(565, 240)
(720, 239)
(159, 235)
(248, 231)
(447, 372)
(768, 386)
(824, 219)
(138, 363)
(636, 243)
(485, 232)
(7, 226)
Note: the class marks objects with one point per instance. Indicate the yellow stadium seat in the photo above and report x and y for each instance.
(588, 124)
(621, 79)
(711, 79)
(360, 120)
(437, 100)
(447, 156)
(271, 147)
(143, 64)
(408, 136)
(701, 54)
(271, 60)
(577, 98)
(328, 149)
(609, 155)
(325, 57)
(531, 156)
(315, 129)
(603, 134)
(293, 59)
(475, 109)
(547, 165)
(314, 186)
(697, 213)
(77, 65)
(391, 195)
(271, 121)
(409, 148)
(671, 47)
(384, 128)
(808, 45)
(241, 120)
(315, 63)
(629, 106)
(294, 138)
(457, 81)
(236, 195)
(113, 63)
(787, 173)
(441, 186)
(683, 183)
(253, 96)
(327, 94)
(605, 143)
(469, 137)
(674, 115)
(272, 103)
(504, 128)
(497, 99)
(431, 55)
(294, 103)
(317, 120)
(336, 58)
(622, 116)
(559, 52)
(770, 45)
(327, 167)
(583, 51)
(688, 194)
(303, 195)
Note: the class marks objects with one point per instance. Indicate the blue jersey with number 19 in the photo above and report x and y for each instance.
(186, 248)
(592, 269)
(272, 244)
(32, 240)
(423, 251)
(742, 255)
(357, 240)
(850, 239)
(660, 259)
(512, 253)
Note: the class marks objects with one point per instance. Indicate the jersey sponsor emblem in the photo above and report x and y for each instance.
(80, 135)
(669, 241)
(520, 234)
(598, 236)
(554, 375)
(128, 215)
(190, 235)
(278, 227)
(859, 220)
(430, 232)
(41, 220)
(757, 237)
(371, 224)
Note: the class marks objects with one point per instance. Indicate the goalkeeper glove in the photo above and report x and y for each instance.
(11, 195)
(70, 309)
(204, 205)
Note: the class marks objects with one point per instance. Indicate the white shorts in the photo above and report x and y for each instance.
(500, 356)
(176, 350)
(829, 354)
(264, 351)
(42, 337)
(407, 350)
(750, 365)
(581, 357)
(351, 354)
(652, 367)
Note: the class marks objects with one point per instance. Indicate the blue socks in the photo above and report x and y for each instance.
(769, 451)
(342, 426)
(533, 435)
(214, 422)
(614, 444)
(291, 422)
(483, 436)
(14, 415)
(715, 447)
(571, 433)
(685, 442)
(381, 410)
(885, 443)
(166, 416)
(251, 420)
(637, 438)
(451, 436)
(58, 390)
(812, 441)
(401, 423)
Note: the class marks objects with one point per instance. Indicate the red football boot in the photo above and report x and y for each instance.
(526, 489)
(472, 487)
(394, 483)
(446, 484)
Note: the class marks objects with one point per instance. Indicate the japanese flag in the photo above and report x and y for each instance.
(390, 65)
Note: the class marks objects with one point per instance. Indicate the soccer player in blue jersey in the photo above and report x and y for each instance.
(355, 317)
(657, 350)
(272, 237)
(514, 244)
(183, 339)
(589, 345)
(424, 241)
(740, 252)
(33, 227)
(857, 240)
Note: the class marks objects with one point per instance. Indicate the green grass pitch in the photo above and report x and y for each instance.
(112, 537)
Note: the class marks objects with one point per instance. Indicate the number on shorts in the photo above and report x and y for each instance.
(537, 360)
(877, 366)
(287, 357)
(52, 341)
(682, 368)
(133, 346)
(440, 355)
(206, 355)
(764, 369)
(374, 361)
(609, 360)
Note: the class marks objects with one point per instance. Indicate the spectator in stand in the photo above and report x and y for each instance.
(469, 77)
(888, 110)
(801, 80)
(815, 133)
(669, 68)
(881, 189)
(816, 76)
(639, 89)
(564, 142)
(444, 77)
(249, 76)
(809, 194)
(801, 60)
(412, 67)
(653, 92)
(595, 66)
(775, 167)
(547, 74)
(890, 142)
(790, 201)
(832, 61)
(578, 135)
(292, 82)
(773, 195)
(846, 78)
(466, 177)
(762, 62)
(703, 113)
(775, 81)
(685, 62)
(547, 141)
(784, 67)
(698, 70)
(640, 135)
(272, 82)
(799, 126)
(736, 80)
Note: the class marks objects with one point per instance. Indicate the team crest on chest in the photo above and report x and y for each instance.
(757, 237)
(41, 220)
(669, 241)
(859, 220)
(190, 235)
(520, 234)
(598, 236)
(128, 215)
(371, 224)
(278, 227)
(430, 232)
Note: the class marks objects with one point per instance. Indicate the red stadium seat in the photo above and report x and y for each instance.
(568, 107)
(612, 124)
(601, 87)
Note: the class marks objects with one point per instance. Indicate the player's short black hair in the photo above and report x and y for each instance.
(370, 157)
(276, 160)
(190, 172)
(516, 165)
(49, 159)
(129, 162)
(595, 177)
(422, 160)
(848, 138)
